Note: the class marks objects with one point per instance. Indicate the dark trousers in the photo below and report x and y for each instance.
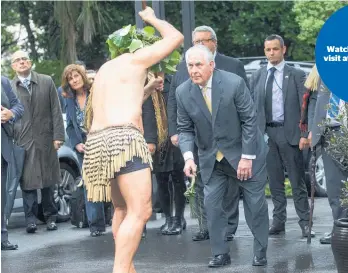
(231, 202)
(163, 184)
(94, 210)
(4, 234)
(254, 201)
(231, 205)
(281, 154)
(30, 204)
(334, 177)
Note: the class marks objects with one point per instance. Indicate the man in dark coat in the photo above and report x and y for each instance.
(41, 133)
(11, 111)
(206, 36)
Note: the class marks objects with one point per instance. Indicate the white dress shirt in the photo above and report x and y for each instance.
(22, 78)
(277, 91)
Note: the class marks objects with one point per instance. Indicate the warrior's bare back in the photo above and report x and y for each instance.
(119, 84)
(118, 93)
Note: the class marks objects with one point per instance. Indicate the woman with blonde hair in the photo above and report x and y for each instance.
(76, 88)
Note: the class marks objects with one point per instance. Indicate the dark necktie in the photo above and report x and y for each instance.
(269, 88)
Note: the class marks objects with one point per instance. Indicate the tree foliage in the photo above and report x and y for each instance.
(311, 16)
(63, 31)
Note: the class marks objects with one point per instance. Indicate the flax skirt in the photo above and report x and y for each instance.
(106, 152)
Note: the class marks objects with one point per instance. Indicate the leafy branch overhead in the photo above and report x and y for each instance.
(129, 39)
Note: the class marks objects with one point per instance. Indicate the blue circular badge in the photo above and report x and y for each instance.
(331, 53)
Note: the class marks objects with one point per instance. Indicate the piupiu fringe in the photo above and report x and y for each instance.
(106, 152)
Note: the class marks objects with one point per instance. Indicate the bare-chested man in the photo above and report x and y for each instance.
(116, 153)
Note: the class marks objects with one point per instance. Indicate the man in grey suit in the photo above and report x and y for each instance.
(216, 111)
(277, 90)
(206, 36)
(11, 111)
(318, 112)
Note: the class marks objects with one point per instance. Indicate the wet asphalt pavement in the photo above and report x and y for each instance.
(72, 250)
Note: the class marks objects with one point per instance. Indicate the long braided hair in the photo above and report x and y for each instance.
(161, 114)
(89, 111)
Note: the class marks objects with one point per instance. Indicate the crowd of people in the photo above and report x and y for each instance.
(207, 121)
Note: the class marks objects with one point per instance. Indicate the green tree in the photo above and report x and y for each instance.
(311, 16)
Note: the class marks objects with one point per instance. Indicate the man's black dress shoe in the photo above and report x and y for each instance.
(275, 230)
(201, 236)
(229, 236)
(305, 232)
(8, 246)
(31, 228)
(51, 226)
(326, 240)
(220, 260)
(96, 233)
(259, 261)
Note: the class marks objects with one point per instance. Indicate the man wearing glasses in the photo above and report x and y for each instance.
(206, 36)
(41, 133)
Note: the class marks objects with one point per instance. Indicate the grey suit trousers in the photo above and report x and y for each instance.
(231, 203)
(281, 154)
(255, 207)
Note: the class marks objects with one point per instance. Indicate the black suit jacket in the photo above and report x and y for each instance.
(10, 101)
(222, 62)
(293, 90)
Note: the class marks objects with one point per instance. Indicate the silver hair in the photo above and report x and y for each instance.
(205, 29)
(206, 52)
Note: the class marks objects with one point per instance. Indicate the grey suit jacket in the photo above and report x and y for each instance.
(293, 91)
(317, 111)
(231, 128)
(222, 62)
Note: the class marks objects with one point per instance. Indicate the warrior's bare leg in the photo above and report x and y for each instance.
(119, 214)
(135, 188)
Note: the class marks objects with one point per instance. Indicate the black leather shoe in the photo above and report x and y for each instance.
(97, 233)
(305, 232)
(51, 226)
(31, 228)
(176, 228)
(167, 224)
(220, 260)
(275, 230)
(229, 236)
(326, 240)
(259, 261)
(201, 236)
(8, 246)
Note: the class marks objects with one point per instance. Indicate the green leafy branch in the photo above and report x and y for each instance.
(129, 39)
